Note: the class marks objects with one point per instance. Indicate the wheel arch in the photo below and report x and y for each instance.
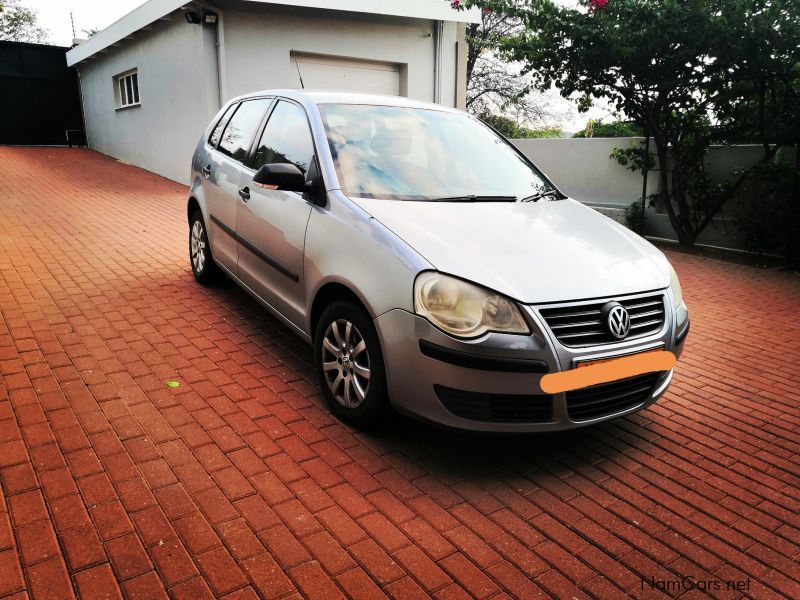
(327, 294)
(191, 206)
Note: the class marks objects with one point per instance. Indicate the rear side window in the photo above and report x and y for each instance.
(286, 139)
(217, 133)
(241, 129)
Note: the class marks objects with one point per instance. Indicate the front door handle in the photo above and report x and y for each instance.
(207, 171)
(245, 193)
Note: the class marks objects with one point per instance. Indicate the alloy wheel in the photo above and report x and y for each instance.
(346, 363)
(198, 247)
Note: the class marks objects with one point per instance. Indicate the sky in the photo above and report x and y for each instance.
(54, 15)
(89, 14)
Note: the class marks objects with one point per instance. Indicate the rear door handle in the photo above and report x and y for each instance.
(245, 193)
(207, 171)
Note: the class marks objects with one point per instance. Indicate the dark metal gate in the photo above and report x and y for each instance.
(39, 97)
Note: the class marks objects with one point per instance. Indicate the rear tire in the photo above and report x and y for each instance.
(204, 268)
(349, 365)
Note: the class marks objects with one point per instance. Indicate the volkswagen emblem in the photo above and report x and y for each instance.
(619, 322)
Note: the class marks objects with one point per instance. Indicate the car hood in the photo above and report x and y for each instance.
(548, 251)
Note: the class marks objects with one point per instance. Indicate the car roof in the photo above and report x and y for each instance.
(333, 97)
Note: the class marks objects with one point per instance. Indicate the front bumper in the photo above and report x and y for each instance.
(446, 381)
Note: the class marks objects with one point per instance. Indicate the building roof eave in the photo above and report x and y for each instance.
(153, 10)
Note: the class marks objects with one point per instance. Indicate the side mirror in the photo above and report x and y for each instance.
(281, 176)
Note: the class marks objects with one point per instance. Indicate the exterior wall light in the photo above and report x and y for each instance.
(192, 17)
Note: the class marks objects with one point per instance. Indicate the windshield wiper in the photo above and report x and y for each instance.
(473, 198)
(536, 197)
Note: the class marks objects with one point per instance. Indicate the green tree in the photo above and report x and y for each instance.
(495, 84)
(691, 72)
(20, 24)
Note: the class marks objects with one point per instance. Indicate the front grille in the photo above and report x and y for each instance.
(496, 408)
(609, 398)
(581, 325)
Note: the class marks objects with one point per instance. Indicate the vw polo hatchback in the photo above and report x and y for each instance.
(432, 266)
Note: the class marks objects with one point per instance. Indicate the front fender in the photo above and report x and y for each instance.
(345, 245)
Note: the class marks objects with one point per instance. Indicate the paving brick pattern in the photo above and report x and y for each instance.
(239, 484)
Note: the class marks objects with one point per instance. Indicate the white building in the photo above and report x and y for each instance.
(152, 81)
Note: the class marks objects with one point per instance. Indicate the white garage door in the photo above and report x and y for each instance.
(345, 74)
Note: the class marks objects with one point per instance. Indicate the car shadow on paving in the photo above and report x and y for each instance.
(468, 449)
(239, 483)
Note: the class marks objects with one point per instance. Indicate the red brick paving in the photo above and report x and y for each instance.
(239, 481)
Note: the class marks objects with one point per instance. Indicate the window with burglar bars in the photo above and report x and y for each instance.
(127, 89)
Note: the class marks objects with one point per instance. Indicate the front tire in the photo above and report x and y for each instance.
(349, 365)
(204, 268)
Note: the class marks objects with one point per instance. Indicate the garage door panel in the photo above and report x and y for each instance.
(331, 73)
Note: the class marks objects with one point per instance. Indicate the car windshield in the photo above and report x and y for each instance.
(401, 153)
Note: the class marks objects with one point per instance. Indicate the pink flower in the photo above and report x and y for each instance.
(595, 5)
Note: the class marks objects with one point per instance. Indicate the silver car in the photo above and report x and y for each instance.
(432, 266)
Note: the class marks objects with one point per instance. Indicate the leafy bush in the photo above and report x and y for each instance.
(635, 217)
(610, 130)
(634, 157)
(514, 131)
(552, 132)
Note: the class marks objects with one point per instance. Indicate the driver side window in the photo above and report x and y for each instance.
(286, 139)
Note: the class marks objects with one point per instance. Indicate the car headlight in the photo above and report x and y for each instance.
(675, 286)
(464, 309)
(681, 312)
